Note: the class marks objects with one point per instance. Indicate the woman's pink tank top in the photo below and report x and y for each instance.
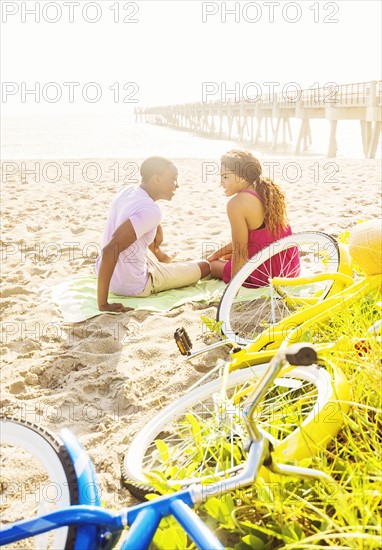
(284, 264)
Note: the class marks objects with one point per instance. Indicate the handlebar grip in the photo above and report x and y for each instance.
(301, 354)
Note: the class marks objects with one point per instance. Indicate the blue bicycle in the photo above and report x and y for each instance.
(71, 515)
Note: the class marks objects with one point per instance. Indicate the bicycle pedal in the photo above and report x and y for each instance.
(183, 341)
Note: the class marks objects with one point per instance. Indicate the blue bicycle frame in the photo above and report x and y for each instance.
(99, 528)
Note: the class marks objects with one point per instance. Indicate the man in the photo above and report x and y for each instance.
(132, 228)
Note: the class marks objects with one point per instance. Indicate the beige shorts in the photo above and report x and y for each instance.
(172, 275)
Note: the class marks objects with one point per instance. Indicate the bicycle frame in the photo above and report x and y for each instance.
(291, 328)
(343, 280)
(144, 518)
(100, 528)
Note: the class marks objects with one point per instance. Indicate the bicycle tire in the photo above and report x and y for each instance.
(315, 393)
(244, 320)
(20, 436)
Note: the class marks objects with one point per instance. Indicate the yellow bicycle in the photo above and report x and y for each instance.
(201, 436)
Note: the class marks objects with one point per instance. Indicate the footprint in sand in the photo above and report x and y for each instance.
(17, 387)
(77, 230)
(31, 379)
(34, 228)
(40, 271)
(55, 374)
(5, 304)
(14, 291)
(26, 348)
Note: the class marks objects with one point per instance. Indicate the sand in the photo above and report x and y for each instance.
(104, 378)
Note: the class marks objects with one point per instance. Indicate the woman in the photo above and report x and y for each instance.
(257, 214)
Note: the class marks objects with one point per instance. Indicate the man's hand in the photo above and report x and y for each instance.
(163, 257)
(116, 308)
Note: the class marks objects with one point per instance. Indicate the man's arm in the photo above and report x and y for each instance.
(158, 240)
(123, 237)
(155, 247)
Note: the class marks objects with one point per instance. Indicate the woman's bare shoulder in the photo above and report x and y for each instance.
(237, 201)
(243, 201)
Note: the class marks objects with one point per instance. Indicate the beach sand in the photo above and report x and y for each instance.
(104, 378)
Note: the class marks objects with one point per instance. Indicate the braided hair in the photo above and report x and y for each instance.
(246, 166)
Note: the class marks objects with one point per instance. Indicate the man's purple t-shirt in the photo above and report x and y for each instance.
(131, 273)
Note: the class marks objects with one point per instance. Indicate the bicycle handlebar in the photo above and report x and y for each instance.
(301, 354)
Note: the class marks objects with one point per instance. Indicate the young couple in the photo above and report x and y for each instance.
(256, 212)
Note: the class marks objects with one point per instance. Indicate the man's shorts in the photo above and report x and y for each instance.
(167, 276)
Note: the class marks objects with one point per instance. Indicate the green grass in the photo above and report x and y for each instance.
(298, 514)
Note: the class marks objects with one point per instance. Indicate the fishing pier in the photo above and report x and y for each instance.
(265, 120)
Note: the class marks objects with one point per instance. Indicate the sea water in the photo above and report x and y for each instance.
(119, 136)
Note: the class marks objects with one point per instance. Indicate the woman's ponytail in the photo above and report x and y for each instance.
(275, 218)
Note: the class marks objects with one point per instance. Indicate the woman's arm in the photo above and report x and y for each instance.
(223, 251)
(123, 237)
(239, 230)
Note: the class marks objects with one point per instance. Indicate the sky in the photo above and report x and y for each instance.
(113, 56)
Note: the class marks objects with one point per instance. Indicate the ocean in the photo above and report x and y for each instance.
(116, 136)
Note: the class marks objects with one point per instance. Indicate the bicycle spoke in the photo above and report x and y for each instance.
(251, 304)
(221, 429)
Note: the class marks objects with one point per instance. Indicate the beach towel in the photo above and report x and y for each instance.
(77, 298)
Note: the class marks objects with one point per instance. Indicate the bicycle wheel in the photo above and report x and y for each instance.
(248, 311)
(37, 478)
(202, 437)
